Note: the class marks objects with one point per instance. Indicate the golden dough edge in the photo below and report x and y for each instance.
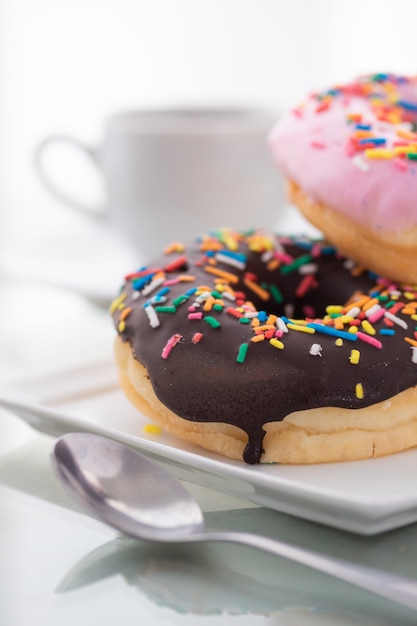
(225, 439)
(389, 254)
(304, 437)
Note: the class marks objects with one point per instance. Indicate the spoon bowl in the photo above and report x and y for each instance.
(137, 497)
(125, 489)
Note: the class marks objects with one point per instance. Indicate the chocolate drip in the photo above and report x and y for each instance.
(253, 449)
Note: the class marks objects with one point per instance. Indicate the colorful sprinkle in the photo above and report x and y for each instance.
(243, 348)
(354, 357)
(156, 282)
(117, 302)
(316, 349)
(396, 320)
(359, 391)
(140, 283)
(258, 338)
(212, 321)
(178, 264)
(195, 316)
(197, 337)
(276, 294)
(281, 325)
(166, 309)
(180, 300)
(328, 330)
(302, 329)
(233, 259)
(368, 339)
(332, 309)
(375, 313)
(368, 328)
(152, 316)
(263, 294)
(231, 278)
(125, 312)
(295, 265)
(305, 285)
(171, 343)
(276, 343)
(152, 429)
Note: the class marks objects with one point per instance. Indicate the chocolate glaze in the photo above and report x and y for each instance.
(203, 381)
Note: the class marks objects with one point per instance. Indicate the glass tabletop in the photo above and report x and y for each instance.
(61, 567)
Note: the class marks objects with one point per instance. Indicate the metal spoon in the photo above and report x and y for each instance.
(139, 498)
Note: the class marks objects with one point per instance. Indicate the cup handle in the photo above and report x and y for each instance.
(53, 188)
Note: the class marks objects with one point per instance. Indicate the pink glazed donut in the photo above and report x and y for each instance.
(350, 156)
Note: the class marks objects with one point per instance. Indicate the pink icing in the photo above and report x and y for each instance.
(316, 146)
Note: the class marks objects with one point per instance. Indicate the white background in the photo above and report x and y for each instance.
(65, 65)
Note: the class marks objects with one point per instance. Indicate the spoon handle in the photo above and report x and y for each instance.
(391, 586)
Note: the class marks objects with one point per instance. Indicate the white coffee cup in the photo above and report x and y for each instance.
(173, 174)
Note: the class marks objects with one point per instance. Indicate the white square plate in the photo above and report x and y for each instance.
(366, 497)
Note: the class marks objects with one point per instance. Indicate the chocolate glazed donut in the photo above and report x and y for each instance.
(245, 329)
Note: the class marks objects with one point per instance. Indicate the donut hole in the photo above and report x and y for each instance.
(307, 291)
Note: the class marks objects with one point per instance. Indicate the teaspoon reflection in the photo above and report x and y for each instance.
(199, 580)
